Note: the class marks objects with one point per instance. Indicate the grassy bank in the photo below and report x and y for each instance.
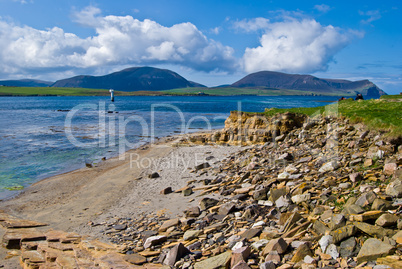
(228, 91)
(51, 91)
(380, 114)
(219, 91)
(56, 91)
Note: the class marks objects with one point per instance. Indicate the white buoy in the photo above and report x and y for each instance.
(111, 95)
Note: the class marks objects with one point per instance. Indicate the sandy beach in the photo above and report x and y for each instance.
(116, 188)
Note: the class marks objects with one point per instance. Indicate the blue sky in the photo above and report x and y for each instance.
(210, 42)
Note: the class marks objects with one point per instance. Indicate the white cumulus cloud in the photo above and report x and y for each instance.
(26, 47)
(23, 1)
(322, 8)
(119, 40)
(372, 15)
(87, 16)
(291, 45)
(215, 30)
(252, 25)
(296, 46)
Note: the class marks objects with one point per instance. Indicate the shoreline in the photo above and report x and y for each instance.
(55, 200)
(11, 194)
(197, 95)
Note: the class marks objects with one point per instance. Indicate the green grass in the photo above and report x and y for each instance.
(142, 93)
(56, 91)
(380, 114)
(51, 91)
(391, 97)
(227, 91)
(220, 91)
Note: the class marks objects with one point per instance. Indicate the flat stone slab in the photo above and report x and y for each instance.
(391, 261)
(60, 246)
(33, 256)
(13, 238)
(398, 237)
(113, 260)
(4, 216)
(96, 245)
(370, 215)
(20, 223)
(66, 261)
(219, 261)
(169, 223)
(150, 253)
(60, 236)
(248, 234)
(191, 234)
(135, 259)
(374, 230)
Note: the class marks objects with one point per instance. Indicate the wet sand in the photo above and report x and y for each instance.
(117, 188)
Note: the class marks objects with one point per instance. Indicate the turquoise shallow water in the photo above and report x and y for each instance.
(45, 136)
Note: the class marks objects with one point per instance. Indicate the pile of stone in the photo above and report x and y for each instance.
(243, 128)
(324, 193)
(39, 247)
(304, 193)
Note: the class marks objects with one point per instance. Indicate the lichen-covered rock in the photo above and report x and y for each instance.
(301, 252)
(329, 166)
(373, 249)
(387, 220)
(219, 261)
(278, 245)
(394, 188)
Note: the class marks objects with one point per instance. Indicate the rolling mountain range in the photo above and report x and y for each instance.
(26, 83)
(154, 79)
(131, 79)
(277, 80)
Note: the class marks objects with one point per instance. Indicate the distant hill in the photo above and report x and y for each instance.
(131, 79)
(26, 83)
(149, 79)
(282, 81)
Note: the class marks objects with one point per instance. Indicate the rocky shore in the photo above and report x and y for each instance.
(299, 193)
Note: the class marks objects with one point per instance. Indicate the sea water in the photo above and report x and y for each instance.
(45, 136)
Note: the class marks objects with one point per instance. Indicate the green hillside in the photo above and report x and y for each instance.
(61, 91)
(219, 91)
(65, 91)
(236, 91)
